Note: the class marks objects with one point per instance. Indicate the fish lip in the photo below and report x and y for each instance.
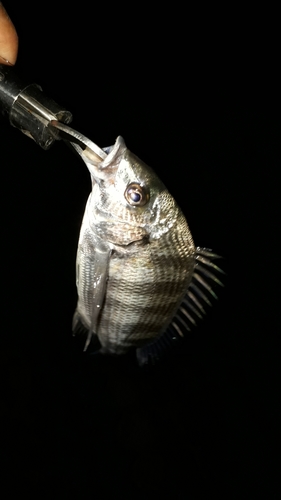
(106, 168)
(113, 152)
(116, 150)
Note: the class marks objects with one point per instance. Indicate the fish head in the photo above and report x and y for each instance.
(128, 202)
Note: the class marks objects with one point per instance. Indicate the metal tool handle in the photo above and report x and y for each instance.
(28, 108)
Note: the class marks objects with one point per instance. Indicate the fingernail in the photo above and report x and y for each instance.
(5, 61)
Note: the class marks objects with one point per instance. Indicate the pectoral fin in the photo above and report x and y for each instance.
(92, 272)
(101, 260)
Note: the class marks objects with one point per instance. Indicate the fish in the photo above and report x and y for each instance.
(140, 279)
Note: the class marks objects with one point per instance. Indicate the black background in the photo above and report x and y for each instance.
(196, 97)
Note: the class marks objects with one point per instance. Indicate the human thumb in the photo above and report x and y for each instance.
(8, 39)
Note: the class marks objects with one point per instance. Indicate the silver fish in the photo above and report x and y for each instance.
(137, 265)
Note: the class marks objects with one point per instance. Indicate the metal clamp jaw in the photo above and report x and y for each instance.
(29, 109)
(39, 117)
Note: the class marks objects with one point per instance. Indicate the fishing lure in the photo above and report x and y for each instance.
(140, 278)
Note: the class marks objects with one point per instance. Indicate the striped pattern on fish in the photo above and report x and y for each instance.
(144, 291)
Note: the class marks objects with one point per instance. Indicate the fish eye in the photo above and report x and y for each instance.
(136, 195)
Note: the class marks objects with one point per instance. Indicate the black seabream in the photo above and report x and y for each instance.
(140, 279)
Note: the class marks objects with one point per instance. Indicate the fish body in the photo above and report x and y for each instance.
(136, 257)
